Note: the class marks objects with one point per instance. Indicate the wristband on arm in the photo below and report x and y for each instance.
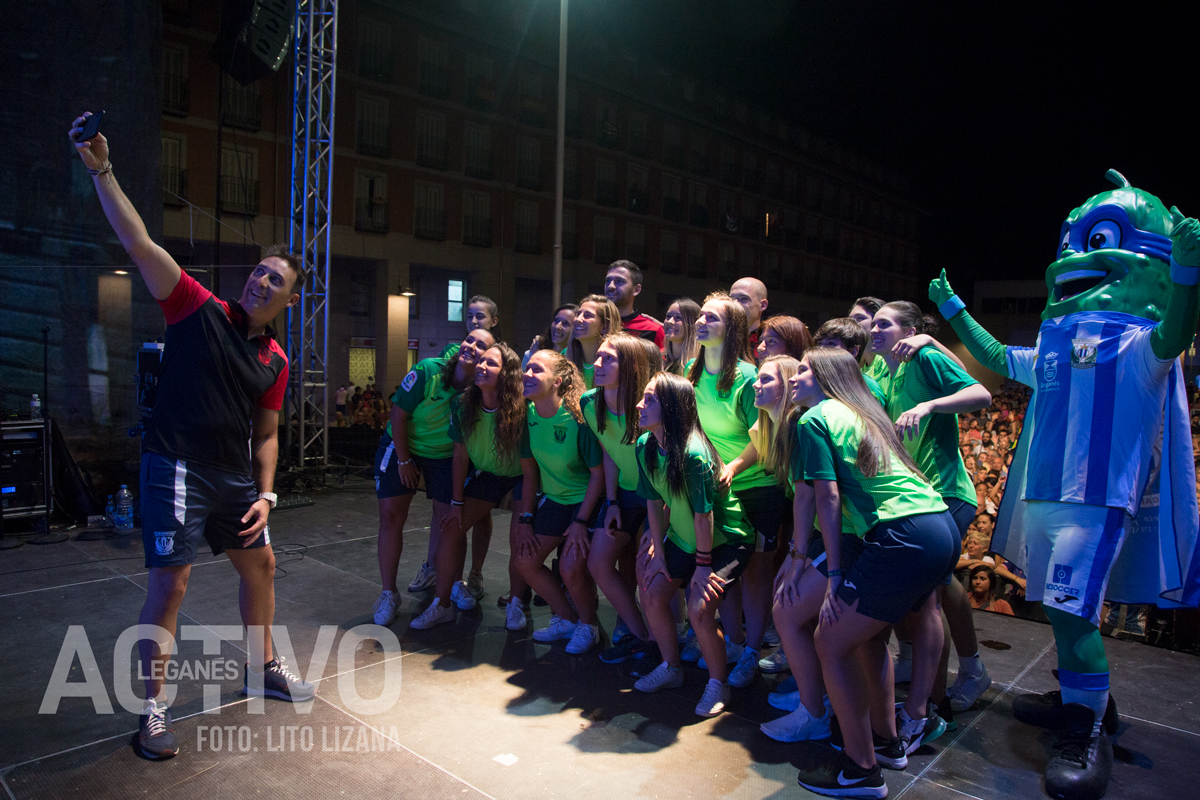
(951, 307)
(1183, 275)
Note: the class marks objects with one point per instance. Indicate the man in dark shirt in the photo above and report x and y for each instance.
(622, 285)
(210, 448)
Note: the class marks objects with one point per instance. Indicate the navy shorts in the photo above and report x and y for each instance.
(852, 547)
(963, 513)
(633, 512)
(491, 488)
(728, 561)
(438, 474)
(902, 561)
(551, 519)
(184, 502)
(767, 508)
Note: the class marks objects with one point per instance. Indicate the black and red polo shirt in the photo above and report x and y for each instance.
(211, 380)
(644, 327)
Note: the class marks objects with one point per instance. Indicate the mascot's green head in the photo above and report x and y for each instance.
(1114, 254)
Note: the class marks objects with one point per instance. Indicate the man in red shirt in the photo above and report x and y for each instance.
(751, 294)
(221, 385)
(622, 284)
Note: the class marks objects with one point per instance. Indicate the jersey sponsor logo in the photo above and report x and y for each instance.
(560, 433)
(410, 380)
(164, 542)
(1065, 599)
(1060, 581)
(1083, 353)
(1050, 367)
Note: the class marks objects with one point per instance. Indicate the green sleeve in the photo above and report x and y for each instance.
(526, 448)
(941, 373)
(412, 388)
(701, 483)
(450, 350)
(645, 488)
(746, 411)
(980, 344)
(589, 447)
(796, 467)
(455, 432)
(1174, 334)
(876, 390)
(818, 452)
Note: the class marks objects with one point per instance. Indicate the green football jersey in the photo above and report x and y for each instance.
(830, 434)
(700, 497)
(426, 399)
(727, 416)
(612, 439)
(565, 451)
(481, 446)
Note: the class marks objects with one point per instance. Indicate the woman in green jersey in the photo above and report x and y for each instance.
(863, 312)
(571, 475)
(925, 393)
(706, 544)
(596, 318)
(679, 330)
(723, 375)
(556, 335)
(610, 411)
(487, 426)
(416, 442)
(864, 482)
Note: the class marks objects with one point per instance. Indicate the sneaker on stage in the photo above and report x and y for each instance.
(798, 726)
(1082, 763)
(661, 677)
(514, 615)
(771, 635)
(277, 681)
(732, 653)
(714, 699)
(746, 669)
(624, 649)
(889, 753)
(775, 663)
(620, 630)
(426, 578)
(785, 701)
(967, 689)
(584, 639)
(1045, 711)
(475, 583)
(156, 737)
(920, 731)
(461, 596)
(841, 777)
(385, 607)
(558, 628)
(647, 661)
(436, 614)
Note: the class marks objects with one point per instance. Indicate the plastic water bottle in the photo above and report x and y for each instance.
(124, 518)
(110, 510)
(35, 408)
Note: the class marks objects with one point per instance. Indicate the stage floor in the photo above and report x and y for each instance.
(481, 712)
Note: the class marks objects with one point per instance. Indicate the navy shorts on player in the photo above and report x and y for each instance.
(438, 474)
(184, 502)
(902, 561)
(633, 512)
(491, 488)
(728, 561)
(766, 509)
(852, 547)
(551, 519)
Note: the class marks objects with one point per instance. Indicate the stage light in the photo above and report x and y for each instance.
(120, 272)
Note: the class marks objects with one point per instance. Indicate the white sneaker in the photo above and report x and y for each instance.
(771, 636)
(774, 663)
(714, 699)
(797, 726)
(462, 597)
(514, 615)
(691, 647)
(743, 674)
(558, 628)
(385, 608)
(585, 638)
(426, 577)
(732, 653)
(903, 669)
(662, 677)
(436, 614)
(785, 701)
(966, 689)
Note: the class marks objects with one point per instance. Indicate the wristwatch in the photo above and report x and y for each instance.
(525, 519)
(270, 497)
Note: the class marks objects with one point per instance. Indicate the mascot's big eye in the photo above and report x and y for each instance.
(1066, 241)
(1104, 234)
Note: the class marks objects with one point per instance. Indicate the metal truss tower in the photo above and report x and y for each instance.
(314, 48)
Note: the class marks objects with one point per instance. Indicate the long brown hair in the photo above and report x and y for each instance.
(545, 339)
(737, 342)
(610, 322)
(677, 355)
(774, 441)
(633, 373)
(571, 388)
(793, 332)
(451, 364)
(510, 405)
(839, 377)
(680, 421)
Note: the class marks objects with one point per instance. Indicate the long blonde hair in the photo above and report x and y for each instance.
(678, 354)
(774, 441)
(571, 388)
(839, 377)
(736, 347)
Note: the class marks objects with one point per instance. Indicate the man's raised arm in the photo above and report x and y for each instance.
(159, 270)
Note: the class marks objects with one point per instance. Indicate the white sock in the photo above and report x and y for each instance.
(1097, 701)
(971, 666)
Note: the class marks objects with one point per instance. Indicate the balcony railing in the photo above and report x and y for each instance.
(239, 196)
(434, 81)
(431, 152)
(698, 216)
(375, 63)
(431, 224)
(529, 239)
(371, 215)
(670, 262)
(478, 163)
(176, 94)
(606, 193)
(374, 139)
(477, 231)
(672, 209)
(174, 186)
(529, 175)
(242, 107)
(639, 200)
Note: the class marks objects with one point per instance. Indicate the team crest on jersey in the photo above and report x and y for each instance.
(724, 393)
(410, 380)
(164, 542)
(264, 354)
(1083, 353)
(560, 433)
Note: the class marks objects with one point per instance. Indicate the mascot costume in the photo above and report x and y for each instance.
(1101, 499)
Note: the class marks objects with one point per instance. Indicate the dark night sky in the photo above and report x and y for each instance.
(1005, 117)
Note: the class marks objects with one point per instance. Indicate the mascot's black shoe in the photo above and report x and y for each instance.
(1082, 763)
(1046, 711)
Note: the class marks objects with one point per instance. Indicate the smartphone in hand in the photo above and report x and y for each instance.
(91, 126)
